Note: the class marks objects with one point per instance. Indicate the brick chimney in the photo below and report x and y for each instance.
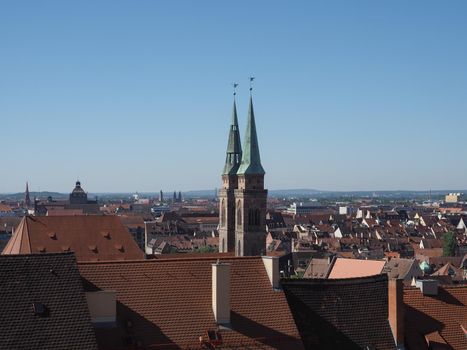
(396, 310)
(271, 264)
(221, 292)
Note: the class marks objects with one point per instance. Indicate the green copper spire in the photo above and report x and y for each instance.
(234, 147)
(251, 161)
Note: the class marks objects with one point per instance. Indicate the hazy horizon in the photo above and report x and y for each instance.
(170, 192)
(136, 96)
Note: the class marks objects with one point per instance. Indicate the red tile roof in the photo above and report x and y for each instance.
(169, 303)
(90, 237)
(351, 268)
(62, 212)
(444, 313)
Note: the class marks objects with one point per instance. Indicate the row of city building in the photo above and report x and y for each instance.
(253, 279)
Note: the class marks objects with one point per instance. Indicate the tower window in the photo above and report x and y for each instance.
(239, 214)
(222, 213)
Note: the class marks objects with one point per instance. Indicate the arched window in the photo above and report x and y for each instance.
(239, 248)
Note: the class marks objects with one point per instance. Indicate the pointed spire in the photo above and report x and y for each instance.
(234, 147)
(27, 198)
(251, 160)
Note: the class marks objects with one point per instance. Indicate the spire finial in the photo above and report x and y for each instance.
(234, 89)
(251, 83)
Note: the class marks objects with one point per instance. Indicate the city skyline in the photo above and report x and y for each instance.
(345, 99)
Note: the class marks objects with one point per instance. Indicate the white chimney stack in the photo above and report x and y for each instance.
(271, 264)
(102, 307)
(221, 292)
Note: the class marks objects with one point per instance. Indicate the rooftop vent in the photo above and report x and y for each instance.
(120, 247)
(41, 249)
(52, 235)
(39, 309)
(105, 234)
(93, 248)
(66, 248)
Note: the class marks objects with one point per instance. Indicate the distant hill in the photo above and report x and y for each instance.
(43, 194)
(297, 193)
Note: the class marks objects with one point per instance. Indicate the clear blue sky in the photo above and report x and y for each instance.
(136, 95)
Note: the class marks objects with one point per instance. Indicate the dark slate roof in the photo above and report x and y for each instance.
(54, 281)
(347, 313)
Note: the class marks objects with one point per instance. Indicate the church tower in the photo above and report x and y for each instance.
(27, 198)
(229, 185)
(250, 196)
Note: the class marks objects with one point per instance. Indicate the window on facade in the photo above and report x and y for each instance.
(222, 213)
(239, 214)
(254, 217)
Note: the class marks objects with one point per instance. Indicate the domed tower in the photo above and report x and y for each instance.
(78, 196)
(229, 185)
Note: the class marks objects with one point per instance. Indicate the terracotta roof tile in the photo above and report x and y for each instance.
(169, 303)
(443, 313)
(349, 268)
(80, 234)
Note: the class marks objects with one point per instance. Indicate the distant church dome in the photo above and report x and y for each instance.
(78, 196)
(78, 188)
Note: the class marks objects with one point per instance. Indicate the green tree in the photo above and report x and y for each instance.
(449, 244)
(206, 249)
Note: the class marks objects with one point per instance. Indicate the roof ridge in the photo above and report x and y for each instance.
(37, 254)
(25, 226)
(350, 280)
(168, 260)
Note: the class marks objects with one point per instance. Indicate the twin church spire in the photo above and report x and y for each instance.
(249, 161)
(243, 198)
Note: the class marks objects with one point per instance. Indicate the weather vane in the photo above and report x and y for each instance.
(251, 83)
(235, 88)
